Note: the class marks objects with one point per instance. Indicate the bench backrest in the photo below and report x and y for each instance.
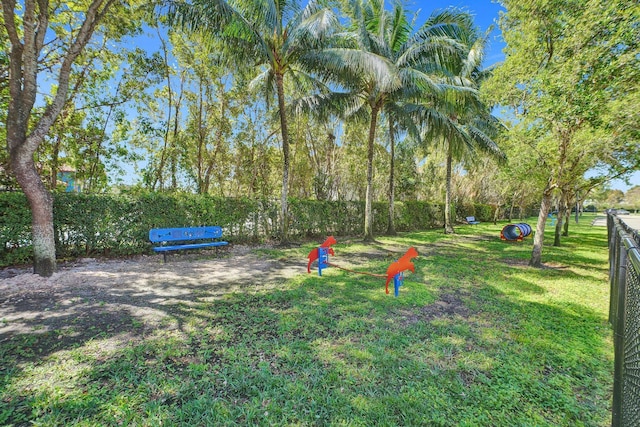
(471, 218)
(157, 235)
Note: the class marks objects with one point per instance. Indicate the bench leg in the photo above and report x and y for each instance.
(164, 257)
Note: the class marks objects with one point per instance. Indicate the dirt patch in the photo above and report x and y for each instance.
(448, 305)
(90, 296)
(524, 263)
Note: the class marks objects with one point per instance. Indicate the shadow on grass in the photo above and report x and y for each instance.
(466, 343)
(321, 353)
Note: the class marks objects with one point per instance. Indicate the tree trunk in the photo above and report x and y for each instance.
(567, 212)
(448, 227)
(368, 207)
(176, 126)
(538, 239)
(41, 204)
(284, 221)
(391, 228)
(562, 210)
(200, 163)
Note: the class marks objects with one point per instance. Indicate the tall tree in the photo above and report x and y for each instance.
(568, 62)
(28, 28)
(394, 35)
(471, 124)
(465, 124)
(272, 35)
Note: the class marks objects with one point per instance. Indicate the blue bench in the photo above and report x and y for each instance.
(185, 238)
(472, 220)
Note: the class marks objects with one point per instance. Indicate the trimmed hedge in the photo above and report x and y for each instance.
(116, 225)
(15, 229)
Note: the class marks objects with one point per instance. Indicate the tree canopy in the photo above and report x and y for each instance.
(568, 64)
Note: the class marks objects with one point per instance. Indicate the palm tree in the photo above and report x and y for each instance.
(382, 62)
(459, 118)
(272, 35)
(396, 31)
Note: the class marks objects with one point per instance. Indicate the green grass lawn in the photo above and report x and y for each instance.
(476, 338)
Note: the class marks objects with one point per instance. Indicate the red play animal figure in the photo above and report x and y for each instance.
(313, 255)
(404, 263)
(329, 242)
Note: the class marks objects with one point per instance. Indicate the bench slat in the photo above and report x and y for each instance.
(158, 235)
(188, 246)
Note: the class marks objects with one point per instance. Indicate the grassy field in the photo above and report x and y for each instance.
(476, 338)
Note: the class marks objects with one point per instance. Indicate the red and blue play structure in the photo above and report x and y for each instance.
(395, 271)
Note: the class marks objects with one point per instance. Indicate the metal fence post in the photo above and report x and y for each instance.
(618, 298)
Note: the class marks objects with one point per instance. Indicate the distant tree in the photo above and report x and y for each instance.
(86, 136)
(615, 198)
(632, 198)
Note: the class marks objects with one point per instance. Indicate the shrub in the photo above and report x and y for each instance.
(117, 225)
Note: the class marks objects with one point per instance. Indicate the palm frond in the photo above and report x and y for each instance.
(360, 25)
(264, 82)
(485, 143)
(476, 54)
(424, 83)
(323, 106)
(196, 15)
(436, 54)
(400, 114)
(352, 67)
(310, 29)
(449, 23)
(400, 28)
(305, 82)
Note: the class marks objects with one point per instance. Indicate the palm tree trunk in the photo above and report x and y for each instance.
(448, 227)
(284, 223)
(391, 229)
(368, 207)
(538, 239)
